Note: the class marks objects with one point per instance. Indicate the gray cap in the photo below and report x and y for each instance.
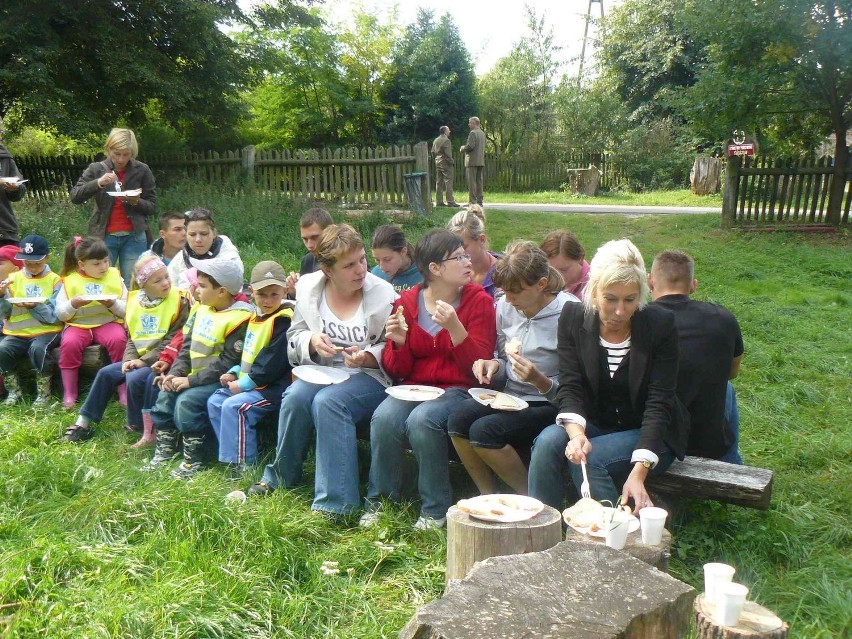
(229, 273)
(267, 273)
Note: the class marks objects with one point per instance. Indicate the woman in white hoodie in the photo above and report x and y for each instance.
(487, 439)
(202, 243)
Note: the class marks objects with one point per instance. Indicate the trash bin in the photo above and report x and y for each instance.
(414, 183)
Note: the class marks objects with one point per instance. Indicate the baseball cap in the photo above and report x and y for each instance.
(229, 273)
(33, 248)
(267, 273)
(8, 253)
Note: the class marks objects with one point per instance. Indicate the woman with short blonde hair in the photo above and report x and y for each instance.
(469, 225)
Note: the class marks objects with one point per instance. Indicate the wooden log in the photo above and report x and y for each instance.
(756, 622)
(656, 556)
(471, 540)
(706, 176)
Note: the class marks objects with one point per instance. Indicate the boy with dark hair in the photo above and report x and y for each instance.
(213, 345)
(172, 237)
(313, 223)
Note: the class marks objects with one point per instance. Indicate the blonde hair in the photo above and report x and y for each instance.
(616, 262)
(142, 261)
(121, 140)
(336, 241)
(469, 223)
(524, 264)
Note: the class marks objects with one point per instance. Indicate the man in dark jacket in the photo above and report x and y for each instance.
(11, 191)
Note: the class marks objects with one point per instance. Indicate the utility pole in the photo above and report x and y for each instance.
(586, 36)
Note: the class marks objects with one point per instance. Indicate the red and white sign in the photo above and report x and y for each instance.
(741, 149)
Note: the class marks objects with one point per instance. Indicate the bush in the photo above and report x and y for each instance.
(651, 157)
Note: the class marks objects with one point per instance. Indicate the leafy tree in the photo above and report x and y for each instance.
(431, 81)
(589, 117)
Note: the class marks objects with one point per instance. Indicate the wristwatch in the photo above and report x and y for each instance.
(647, 464)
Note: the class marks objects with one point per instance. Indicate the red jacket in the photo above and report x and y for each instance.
(434, 361)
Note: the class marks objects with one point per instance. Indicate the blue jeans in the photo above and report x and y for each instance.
(732, 416)
(396, 424)
(608, 462)
(106, 381)
(233, 418)
(150, 393)
(333, 412)
(12, 347)
(185, 411)
(124, 250)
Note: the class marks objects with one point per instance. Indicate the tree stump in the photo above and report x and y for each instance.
(584, 181)
(756, 622)
(706, 176)
(470, 540)
(656, 556)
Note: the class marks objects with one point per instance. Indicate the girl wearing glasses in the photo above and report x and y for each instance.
(447, 324)
(202, 243)
(469, 225)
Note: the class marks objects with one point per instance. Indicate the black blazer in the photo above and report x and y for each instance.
(652, 375)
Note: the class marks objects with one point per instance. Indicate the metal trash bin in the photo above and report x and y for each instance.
(414, 184)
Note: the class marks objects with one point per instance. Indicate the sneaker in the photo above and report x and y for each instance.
(187, 470)
(235, 472)
(76, 433)
(158, 460)
(425, 522)
(371, 517)
(454, 204)
(260, 489)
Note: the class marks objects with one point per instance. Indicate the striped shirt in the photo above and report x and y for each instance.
(615, 353)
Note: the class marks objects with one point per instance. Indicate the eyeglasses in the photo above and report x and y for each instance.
(458, 258)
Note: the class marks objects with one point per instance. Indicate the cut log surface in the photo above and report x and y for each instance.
(656, 556)
(711, 479)
(756, 622)
(706, 176)
(574, 590)
(470, 540)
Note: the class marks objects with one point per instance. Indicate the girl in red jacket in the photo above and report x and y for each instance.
(447, 324)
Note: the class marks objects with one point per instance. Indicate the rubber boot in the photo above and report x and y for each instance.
(44, 391)
(70, 377)
(194, 456)
(122, 394)
(167, 448)
(13, 390)
(149, 438)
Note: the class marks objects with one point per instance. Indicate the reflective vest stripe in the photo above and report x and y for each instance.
(21, 322)
(147, 327)
(209, 331)
(93, 314)
(258, 336)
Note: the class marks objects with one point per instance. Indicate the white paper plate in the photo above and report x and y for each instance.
(320, 375)
(414, 392)
(476, 392)
(98, 298)
(26, 300)
(12, 180)
(513, 507)
(130, 193)
(633, 527)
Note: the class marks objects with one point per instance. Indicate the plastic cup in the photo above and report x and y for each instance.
(615, 532)
(730, 599)
(236, 497)
(653, 521)
(714, 575)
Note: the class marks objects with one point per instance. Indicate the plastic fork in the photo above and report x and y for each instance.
(584, 487)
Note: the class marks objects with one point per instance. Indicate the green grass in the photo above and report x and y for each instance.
(92, 547)
(681, 197)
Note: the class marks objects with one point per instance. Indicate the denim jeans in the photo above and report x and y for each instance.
(124, 250)
(186, 411)
(106, 381)
(233, 418)
(397, 424)
(150, 392)
(608, 462)
(333, 412)
(12, 347)
(732, 417)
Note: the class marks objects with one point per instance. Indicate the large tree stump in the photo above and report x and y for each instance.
(656, 556)
(706, 176)
(574, 590)
(470, 540)
(584, 181)
(756, 622)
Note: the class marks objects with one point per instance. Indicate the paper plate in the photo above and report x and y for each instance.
(98, 298)
(130, 193)
(501, 509)
(320, 375)
(26, 300)
(414, 392)
(477, 393)
(11, 180)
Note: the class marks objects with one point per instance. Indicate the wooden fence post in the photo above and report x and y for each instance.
(729, 196)
(421, 163)
(247, 155)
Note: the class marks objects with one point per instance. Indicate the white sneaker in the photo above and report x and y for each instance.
(429, 523)
(370, 519)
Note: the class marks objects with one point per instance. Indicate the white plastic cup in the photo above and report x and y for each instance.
(716, 574)
(730, 599)
(615, 533)
(653, 521)
(236, 497)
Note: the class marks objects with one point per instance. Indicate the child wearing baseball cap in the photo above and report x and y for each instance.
(31, 327)
(213, 344)
(252, 389)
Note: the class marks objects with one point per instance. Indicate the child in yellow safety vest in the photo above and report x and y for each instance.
(252, 389)
(31, 327)
(91, 302)
(156, 311)
(213, 343)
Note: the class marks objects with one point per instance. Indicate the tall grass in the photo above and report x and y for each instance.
(92, 547)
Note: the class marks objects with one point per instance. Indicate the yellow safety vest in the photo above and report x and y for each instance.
(93, 314)
(258, 335)
(22, 323)
(146, 327)
(209, 332)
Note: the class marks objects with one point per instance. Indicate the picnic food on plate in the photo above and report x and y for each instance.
(488, 505)
(513, 346)
(585, 513)
(400, 316)
(486, 396)
(502, 400)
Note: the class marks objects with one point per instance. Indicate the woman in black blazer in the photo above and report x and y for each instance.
(618, 411)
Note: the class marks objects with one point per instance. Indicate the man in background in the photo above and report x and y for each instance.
(445, 167)
(172, 237)
(311, 225)
(474, 161)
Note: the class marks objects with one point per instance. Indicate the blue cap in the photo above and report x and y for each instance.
(33, 248)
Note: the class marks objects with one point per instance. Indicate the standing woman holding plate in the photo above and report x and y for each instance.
(446, 324)
(119, 220)
(488, 439)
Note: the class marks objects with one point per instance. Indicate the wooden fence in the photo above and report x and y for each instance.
(764, 190)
